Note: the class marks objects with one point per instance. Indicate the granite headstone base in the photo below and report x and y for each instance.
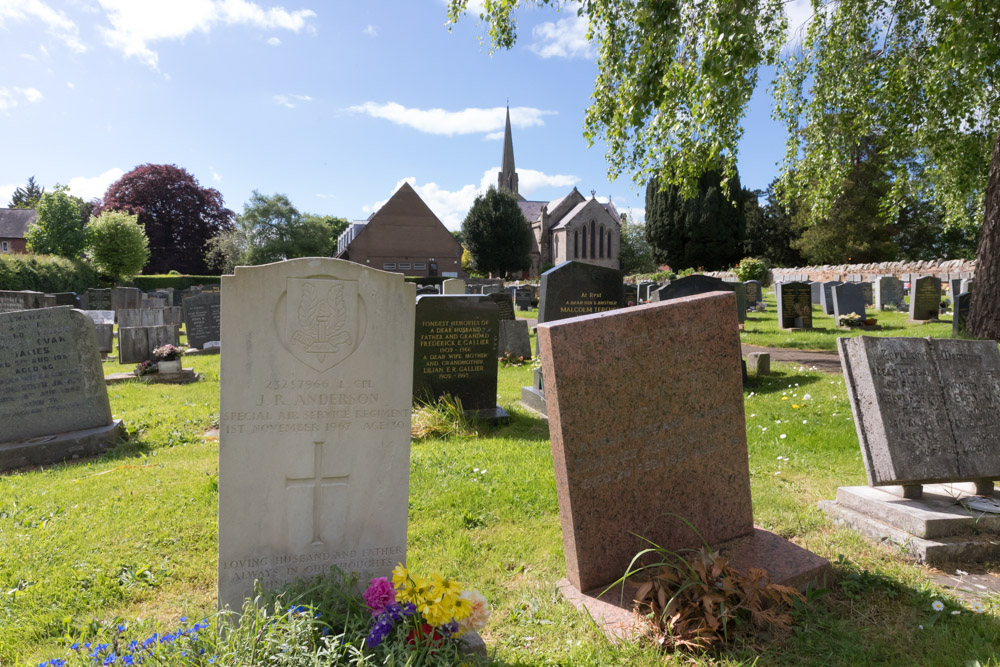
(934, 528)
(59, 447)
(786, 563)
(533, 397)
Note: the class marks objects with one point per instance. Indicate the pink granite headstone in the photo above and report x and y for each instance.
(646, 422)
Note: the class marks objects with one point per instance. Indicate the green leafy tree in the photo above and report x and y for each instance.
(223, 251)
(117, 245)
(674, 80)
(496, 234)
(28, 196)
(772, 228)
(271, 229)
(635, 255)
(705, 230)
(58, 230)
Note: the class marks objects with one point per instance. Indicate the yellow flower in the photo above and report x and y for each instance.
(399, 575)
(796, 406)
(462, 607)
(784, 398)
(444, 587)
(436, 614)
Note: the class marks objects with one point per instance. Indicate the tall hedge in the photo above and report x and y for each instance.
(45, 273)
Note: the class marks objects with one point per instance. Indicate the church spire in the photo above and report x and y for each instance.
(508, 176)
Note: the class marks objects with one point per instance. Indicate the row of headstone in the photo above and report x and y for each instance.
(202, 319)
(702, 284)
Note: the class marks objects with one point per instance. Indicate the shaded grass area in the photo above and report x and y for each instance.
(763, 329)
(132, 535)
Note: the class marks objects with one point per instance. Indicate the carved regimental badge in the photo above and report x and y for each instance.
(322, 325)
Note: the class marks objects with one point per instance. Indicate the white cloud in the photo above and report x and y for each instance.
(216, 176)
(798, 12)
(6, 193)
(96, 186)
(11, 98)
(565, 38)
(286, 100)
(450, 123)
(137, 25)
(274, 41)
(371, 31)
(494, 136)
(30, 94)
(71, 84)
(59, 25)
(452, 205)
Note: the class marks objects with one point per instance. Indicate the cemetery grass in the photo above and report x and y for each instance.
(762, 328)
(132, 535)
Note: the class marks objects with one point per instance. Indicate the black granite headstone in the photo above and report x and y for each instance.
(578, 288)
(504, 304)
(826, 296)
(794, 305)
(755, 294)
(202, 318)
(455, 352)
(631, 293)
(693, 284)
(99, 299)
(960, 313)
(848, 298)
(925, 298)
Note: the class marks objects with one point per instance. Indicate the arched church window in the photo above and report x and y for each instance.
(556, 257)
(601, 244)
(585, 241)
(576, 243)
(610, 254)
(593, 240)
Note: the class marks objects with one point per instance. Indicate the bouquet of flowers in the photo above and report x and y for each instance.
(851, 320)
(168, 352)
(426, 612)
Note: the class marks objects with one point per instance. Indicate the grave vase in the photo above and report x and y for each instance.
(169, 366)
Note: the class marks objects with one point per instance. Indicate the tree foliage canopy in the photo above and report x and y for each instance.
(117, 245)
(28, 196)
(178, 215)
(674, 80)
(496, 234)
(635, 254)
(704, 231)
(59, 228)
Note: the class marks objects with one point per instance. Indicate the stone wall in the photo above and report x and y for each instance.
(940, 268)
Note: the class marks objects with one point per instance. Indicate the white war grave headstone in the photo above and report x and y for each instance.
(314, 453)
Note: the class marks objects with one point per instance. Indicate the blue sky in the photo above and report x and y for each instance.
(331, 103)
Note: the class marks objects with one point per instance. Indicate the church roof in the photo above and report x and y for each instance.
(532, 210)
(572, 214)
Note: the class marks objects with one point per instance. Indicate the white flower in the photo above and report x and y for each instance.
(787, 459)
(805, 421)
(476, 620)
(783, 436)
(778, 422)
(806, 397)
(955, 612)
(763, 428)
(777, 472)
(483, 471)
(977, 607)
(961, 573)
(937, 605)
(475, 470)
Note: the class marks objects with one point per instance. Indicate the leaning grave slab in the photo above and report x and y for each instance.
(53, 402)
(314, 452)
(927, 414)
(614, 442)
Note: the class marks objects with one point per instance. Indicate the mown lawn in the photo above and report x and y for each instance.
(763, 329)
(131, 536)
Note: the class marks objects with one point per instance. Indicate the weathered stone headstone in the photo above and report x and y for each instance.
(11, 302)
(136, 344)
(51, 384)
(613, 440)
(889, 291)
(153, 302)
(793, 301)
(152, 317)
(99, 299)
(848, 298)
(925, 298)
(741, 301)
(816, 293)
(926, 410)
(755, 293)
(314, 452)
(173, 315)
(514, 339)
(759, 363)
(105, 336)
(453, 286)
(569, 290)
(868, 292)
(100, 316)
(455, 352)
(505, 306)
(966, 285)
(202, 318)
(960, 313)
(826, 296)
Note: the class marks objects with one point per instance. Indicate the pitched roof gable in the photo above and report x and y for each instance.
(14, 222)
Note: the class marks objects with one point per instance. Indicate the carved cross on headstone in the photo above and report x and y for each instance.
(317, 483)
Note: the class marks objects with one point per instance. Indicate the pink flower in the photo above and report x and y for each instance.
(380, 593)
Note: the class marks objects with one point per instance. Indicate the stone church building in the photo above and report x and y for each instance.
(569, 228)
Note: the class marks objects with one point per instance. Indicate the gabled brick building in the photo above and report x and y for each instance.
(14, 227)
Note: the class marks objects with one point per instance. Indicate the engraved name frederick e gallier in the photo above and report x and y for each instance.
(321, 321)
